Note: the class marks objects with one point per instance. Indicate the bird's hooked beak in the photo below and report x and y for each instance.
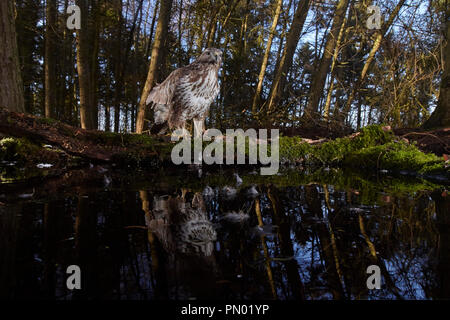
(218, 56)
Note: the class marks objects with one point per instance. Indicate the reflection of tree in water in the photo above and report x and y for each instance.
(399, 235)
(305, 242)
(321, 243)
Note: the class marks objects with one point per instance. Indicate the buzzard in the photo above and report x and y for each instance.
(187, 93)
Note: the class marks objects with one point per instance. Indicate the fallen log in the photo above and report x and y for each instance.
(94, 145)
(373, 148)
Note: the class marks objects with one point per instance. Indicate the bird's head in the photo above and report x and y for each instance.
(211, 55)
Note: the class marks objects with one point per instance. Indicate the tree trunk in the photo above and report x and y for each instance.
(50, 58)
(152, 28)
(94, 67)
(11, 89)
(331, 45)
(286, 60)
(373, 51)
(256, 98)
(161, 32)
(27, 16)
(83, 63)
(212, 25)
(441, 115)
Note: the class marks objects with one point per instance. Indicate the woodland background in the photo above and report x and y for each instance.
(287, 63)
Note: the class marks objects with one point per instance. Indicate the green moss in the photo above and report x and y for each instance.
(48, 121)
(372, 148)
(294, 149)
(17, 149)
(395, 156)
(124, 139)
(14, 155)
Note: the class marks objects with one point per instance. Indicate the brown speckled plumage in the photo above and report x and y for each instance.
(187, 92)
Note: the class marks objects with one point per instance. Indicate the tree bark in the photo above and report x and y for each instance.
(84, 72)
(373, 51)
(257, 97)
(11, 88)
(441, 115)
(50, 58)
(286, 60)
(331, 45)
(161, 31)
(94, 67)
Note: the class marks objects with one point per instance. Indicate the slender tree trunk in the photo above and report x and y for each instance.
(152, 28)
(343, 37)
(161, 31)
(212, 25)
(83, 63)
(331, 46)
(50, 58)
(94, 67)
(373, 51)
(180, 34)
(122, 61)
(118, 61)
(286, 60)
(257, 97)
(441, 115)
(11, 88)
(26, 21)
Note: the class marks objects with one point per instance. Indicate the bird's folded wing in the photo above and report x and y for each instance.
(163, 92)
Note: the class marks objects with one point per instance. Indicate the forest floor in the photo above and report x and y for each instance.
(31, 145)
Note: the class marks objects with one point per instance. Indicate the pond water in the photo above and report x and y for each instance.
(172, 234)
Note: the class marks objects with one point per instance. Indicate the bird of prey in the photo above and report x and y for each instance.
(187, 93)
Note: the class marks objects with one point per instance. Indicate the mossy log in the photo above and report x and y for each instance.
(97, 146)
(374, 148)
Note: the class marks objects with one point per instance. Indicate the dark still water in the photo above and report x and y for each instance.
(173, 235)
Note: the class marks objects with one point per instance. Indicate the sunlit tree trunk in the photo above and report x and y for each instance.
(376, 45)
(332, 44)
(288, 54)
(161, 32)
(212, 25)
(11, 89)
(152, 29)
(83, 63)
(256, 98)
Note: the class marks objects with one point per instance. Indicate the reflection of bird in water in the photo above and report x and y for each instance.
(236, 217)
(228, 193)
(187, 237)
(183, 226)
